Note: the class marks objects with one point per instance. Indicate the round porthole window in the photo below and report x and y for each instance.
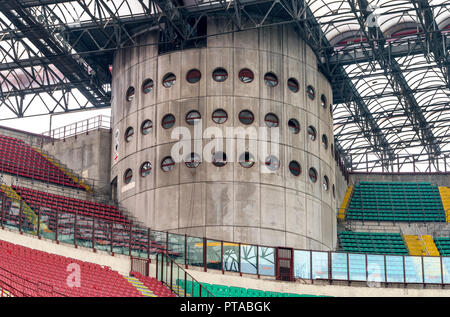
(294, 126)
(246, 117)
(272, 163)
(312, 133)
(246, 160)
(167, 164)
(326, 183)
(271, 120)
(294, 168)
(193, 76)
(146, 127)
(169, 80)
(271, 79)
(323, 101)
(310, 92)
(130, 94)
(193, 117)
(219, 159)
(312, 174)
(192, 160)
(128, 176)
(293, 84)
(168, 121)
(324, 141)
(246, 75)
(219, 116)
(129, 134)
(146, 169)
(147, 86)
(220, 74)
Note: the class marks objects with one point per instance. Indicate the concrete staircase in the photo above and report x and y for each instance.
(26, 210)
(64, 169)
(345, 202)
(140, 286)
(445, 197)
(420, 245)
(180, 291)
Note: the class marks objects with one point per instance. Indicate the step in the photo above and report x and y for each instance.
(140, 286)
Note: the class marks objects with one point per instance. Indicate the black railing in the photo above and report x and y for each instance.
(138, 241)
(177, 279)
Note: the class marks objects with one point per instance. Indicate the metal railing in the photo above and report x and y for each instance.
(80, 127)
(14, 285)
(131, 239)
(177, 279)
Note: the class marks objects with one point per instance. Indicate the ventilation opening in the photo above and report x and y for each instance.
(169, 44)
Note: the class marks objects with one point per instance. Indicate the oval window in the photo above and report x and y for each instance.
(312, 174)
(169, 80)
(270, 79)
(220, 74)
(272, 162)
(168, 121)
(128, 176)
(147, 86)
(129, 134)
(193, 76)
(323, 101)
(271, 120)
(130, 94)
(293, 84)
(219, 116)
(146, 127)
(312, 133)
(310, 92)
(294, 168)
(167, 164)
(146, 168)
(192, 160)
(324, 141)
(219, 159)
(294, 126)
(246, 160)
(246, 117)
(193, 117)
(326, 183)
(246, 75)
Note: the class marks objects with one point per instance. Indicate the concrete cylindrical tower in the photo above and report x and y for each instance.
(230, 202)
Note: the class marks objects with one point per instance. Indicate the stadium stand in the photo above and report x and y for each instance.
(150, 283)
(443, 245)
(53, 270)
(372, 243)
(230, 291)
(37, 200)
(396, 201)
(18, 158)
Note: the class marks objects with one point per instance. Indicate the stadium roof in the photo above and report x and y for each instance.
(387, 60)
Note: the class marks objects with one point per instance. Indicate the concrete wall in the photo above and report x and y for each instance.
(439, 179)
(31, 138)
(231, 202)
(87, 154)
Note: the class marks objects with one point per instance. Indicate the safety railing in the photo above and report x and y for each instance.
(138, 241)
(80, 127)
(177, 279)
